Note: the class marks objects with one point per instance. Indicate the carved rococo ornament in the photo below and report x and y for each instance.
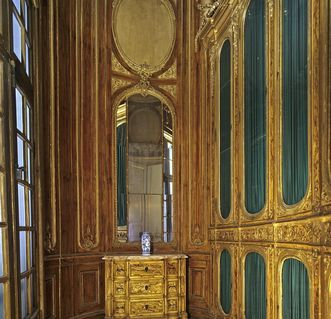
(207, 12)
(48, 242)
(144, 84)
(117, 83)
(88, 239)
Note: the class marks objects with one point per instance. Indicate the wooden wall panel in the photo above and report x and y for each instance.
(199, 284)
(51, 289)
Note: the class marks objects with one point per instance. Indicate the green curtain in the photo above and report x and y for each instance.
(226, 284)
(225, 129)
(121, 175)
(295, 287)
(255, 107)
(295, 100)
(255, 287)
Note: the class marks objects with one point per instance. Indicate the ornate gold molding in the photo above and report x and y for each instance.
(207, 12)
(261, 233)
(306, 233)
(227, 235)
(117, 83)
(170, 73)
(117, 66)
(171, 89)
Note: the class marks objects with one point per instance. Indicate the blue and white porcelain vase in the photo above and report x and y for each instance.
(146, 243)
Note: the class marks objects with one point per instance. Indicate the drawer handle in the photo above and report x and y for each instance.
(146, 307)
(146, 268)
(146, 287)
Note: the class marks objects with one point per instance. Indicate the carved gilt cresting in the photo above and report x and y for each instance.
(145, 286)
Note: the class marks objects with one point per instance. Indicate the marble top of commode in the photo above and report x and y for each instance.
(146, 257)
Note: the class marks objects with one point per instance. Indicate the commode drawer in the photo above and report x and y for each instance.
(140, 288)
(143, 269)
(146, 308)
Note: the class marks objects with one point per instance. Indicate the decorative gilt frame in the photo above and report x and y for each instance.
(116, 102)
(267, 255)
(233, 251)
(144, 67)
(264, 213)
(305, 204)
(217, 105)
(311, 259)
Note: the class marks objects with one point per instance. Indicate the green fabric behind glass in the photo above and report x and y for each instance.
(255, 287)
(255, 107)
(295, 287)
(121, 175)
(295, 101)
(226, 284)
(225, 129)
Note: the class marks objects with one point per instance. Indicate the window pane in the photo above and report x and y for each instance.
(225, 129)
(2, 310)
(17, 36)
(255, 107)
(24, 297)
(17, 4)
(21, 205)
(23, 256)
(2, 143)
(1, 253)
(30, 207)
(2, 197)
(31, 250)
(28, 121)
(295, 100)
(19, 110)
(27, 59)
(26, 15)
(20, 156)
(28, 165)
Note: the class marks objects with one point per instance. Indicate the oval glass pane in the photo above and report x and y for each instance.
(255, 107)
(226, 281)
(225, 129)
(255, 287)
(144, 32)
(295, 101)
(295, 288)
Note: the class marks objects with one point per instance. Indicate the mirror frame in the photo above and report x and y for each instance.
(135, 245)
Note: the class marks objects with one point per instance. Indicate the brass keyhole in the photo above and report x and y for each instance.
(146, 268)
(146, 287)
(146, 307)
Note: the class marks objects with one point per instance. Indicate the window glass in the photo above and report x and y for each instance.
(17, 38)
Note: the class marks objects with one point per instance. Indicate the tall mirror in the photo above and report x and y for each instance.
(144, 157)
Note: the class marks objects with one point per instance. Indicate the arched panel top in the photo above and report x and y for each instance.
(144, 32)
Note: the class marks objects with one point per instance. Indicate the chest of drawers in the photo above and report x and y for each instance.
(145, 286)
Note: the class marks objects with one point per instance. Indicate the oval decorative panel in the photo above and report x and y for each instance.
(144, 33)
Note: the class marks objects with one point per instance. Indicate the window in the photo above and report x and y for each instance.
(17, 212)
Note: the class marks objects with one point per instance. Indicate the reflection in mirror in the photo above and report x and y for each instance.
(144, 153)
